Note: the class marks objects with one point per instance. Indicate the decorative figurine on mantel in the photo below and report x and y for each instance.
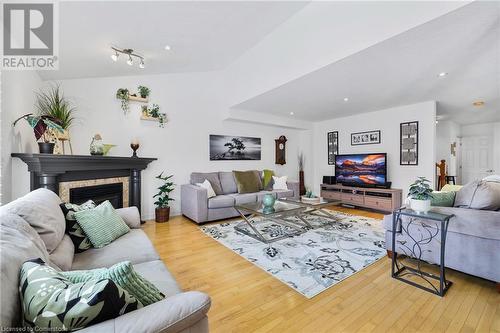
(134, 145)
(96, 146)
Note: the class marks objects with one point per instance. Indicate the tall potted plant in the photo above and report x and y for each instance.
(420, 194)
(162, 211)
(41, 126)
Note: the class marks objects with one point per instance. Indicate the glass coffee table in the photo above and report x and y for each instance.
(274, 224)
(313, 207)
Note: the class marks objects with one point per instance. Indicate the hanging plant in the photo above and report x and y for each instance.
(123, 95)
(154, 112)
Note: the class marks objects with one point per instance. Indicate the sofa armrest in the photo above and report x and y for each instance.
(173, 314)
(194, 202)
(131, 216)
(295, 187)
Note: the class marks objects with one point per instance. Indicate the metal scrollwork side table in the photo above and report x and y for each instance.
(427, 232)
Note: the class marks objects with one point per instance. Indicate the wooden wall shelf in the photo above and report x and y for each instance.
(149, 118)
(386, 200)
(137, 99)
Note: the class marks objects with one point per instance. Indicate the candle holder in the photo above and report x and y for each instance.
(134, 147)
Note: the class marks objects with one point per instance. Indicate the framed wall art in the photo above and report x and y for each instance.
(408, 154)
(227, 148)
(365, 138)
(332, 139)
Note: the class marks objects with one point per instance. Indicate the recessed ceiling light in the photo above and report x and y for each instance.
(291, 113)
(478, 103)
(442, 74)
(167, 47)
(346, 99)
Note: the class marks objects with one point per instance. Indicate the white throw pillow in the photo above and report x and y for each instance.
(210, 191)
(492, 178)
(280, 183)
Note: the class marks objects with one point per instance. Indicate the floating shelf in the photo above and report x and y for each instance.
(138, 99)
(148, 118)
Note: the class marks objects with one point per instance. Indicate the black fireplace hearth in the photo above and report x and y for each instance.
(99, 193)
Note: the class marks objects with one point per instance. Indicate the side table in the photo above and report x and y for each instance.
(437, 227)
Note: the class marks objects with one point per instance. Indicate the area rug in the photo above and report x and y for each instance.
(314, 261)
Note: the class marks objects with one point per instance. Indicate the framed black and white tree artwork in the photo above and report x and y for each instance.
(332, 139)
(227, 148)
(365, 138)
(408, 143)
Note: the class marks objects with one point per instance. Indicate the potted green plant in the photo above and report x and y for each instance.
(420, 194)
(123, 95)
(42, 125)
(162, 211)
(144, 91)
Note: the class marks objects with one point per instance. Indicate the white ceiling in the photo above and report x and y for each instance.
(204, 36)
(403, 70)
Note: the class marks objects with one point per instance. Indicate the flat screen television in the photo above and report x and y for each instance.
(366, 170)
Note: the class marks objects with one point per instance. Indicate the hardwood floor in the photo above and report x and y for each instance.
(247, 299)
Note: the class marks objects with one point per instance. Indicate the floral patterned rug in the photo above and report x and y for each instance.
(314, 261)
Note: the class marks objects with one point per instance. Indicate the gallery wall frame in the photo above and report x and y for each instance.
(366, 138)
(332, 141)
(408, 143)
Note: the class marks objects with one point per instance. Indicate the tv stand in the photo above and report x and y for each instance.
(386, 200)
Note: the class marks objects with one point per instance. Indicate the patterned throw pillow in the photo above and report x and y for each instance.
(73, 229)
(102, 225)
(50, 302)
(124, 275)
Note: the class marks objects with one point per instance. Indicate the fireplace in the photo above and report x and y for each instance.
(98, 193)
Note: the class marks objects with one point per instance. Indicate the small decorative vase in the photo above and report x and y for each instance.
(302, 187)
(162, 214)
(268, 200)
(96, 146)
(420, 206)
(46, 147)
(268, 210)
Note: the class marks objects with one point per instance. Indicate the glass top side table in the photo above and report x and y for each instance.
(437, 227)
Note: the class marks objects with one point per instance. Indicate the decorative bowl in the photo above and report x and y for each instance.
(311, 200)
(106, 147)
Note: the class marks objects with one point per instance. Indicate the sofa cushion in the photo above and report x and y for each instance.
(134, 246)
(102, 225)
(221, 201)
(479, 195)
(248, 181)
(19, 242)
(261, 194)
(63, 255)
(267, 179)
(52, 303)
(244, 198)
(125, 276)
(41, 202)
(212, 177)
(283, 193)
(80, 240)
(157, 273)
(207, 186)
(228, 182)
(442, 199)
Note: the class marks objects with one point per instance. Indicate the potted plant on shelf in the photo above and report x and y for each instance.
(42, 126)
(144, 91)
(123, 95)
(162, 211)
(420, 194)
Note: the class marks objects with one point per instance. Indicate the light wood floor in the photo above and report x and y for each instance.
(247, 299)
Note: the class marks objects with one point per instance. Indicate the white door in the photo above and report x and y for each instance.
(477, 158)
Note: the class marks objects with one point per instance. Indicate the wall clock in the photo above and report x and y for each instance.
(280, 150)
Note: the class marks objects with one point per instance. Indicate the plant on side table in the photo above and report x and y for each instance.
(420, 194)
(41, 126)
(162, 211)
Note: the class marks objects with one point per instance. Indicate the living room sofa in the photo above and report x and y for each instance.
(196, 205)
(34, 227)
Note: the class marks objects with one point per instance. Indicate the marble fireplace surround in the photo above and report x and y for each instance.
(59, 173)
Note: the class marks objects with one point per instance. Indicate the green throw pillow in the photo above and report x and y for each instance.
(267, 180)
(73, 229)
(50, 302)
(443, 199)
(102, 225)
(124, 275)
(247, 181)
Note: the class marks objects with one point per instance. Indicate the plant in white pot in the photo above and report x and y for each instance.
(420, 194)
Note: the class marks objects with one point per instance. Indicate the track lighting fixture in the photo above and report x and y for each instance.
(131, 56)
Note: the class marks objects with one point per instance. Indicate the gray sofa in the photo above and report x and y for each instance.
(196, 206)
(33, 227)
(472, 242)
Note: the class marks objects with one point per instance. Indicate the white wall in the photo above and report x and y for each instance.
(388, 122)
(448, 132)
(17, 98)
(195, 106)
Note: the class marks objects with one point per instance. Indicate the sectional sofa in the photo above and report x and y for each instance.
(33, 227)
(196, 205)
